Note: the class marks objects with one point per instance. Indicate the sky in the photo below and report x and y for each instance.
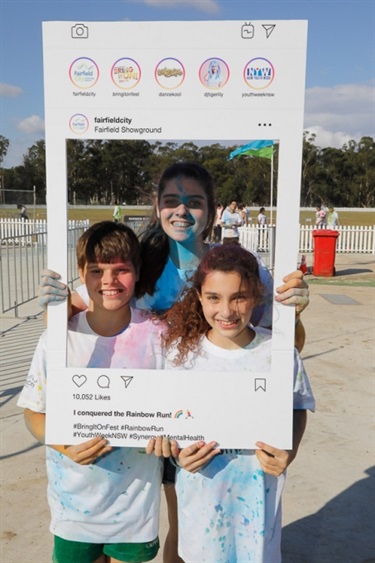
(340, 99)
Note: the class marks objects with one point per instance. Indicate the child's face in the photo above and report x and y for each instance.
(183, 209)
(110, 286)
(227, 307)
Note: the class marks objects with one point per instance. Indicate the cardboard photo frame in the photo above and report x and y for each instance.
(146, 80)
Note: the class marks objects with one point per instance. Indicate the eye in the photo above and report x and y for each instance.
(195, 203)
(242, 298)
(171, 202)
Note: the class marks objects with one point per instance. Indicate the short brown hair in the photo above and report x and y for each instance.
(107, 241)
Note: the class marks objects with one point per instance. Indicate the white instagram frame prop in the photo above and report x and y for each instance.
(146, 80)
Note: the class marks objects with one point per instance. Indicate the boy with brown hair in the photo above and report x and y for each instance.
(104, 501)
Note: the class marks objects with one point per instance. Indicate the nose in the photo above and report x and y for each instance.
(182, 210)
(226, 309)
(108, 277)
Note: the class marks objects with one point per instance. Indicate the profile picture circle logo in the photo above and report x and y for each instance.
(214, 73)
(84, 73)
(79, 123)
(259, 73)
(126, 73)
(169, 73)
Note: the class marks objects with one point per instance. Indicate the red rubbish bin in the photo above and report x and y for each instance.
(324, 252)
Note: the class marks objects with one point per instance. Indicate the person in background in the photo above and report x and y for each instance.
(242, 209)
(217, 224)
(117, 213)
(262, 230)
(230, 221)
(320, 217)
(332, 218)
(23, 211)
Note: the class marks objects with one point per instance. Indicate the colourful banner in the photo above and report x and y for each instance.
(263, 149)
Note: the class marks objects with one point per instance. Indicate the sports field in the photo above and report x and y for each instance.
(95, 214)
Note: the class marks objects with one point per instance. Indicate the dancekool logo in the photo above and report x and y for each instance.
(259, 73)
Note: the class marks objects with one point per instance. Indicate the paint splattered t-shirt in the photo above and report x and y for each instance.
(230, 511)
(117, 499)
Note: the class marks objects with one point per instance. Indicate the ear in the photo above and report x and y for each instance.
(199, 296)
(81, 275)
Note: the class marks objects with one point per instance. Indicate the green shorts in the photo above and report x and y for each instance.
(66, 551)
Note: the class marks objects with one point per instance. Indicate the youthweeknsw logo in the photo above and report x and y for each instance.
(259, 73)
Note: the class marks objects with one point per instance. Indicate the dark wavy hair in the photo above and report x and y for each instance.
(154, 241)
(107, 241)
(185, 321)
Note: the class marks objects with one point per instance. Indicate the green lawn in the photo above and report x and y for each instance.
(350, 218)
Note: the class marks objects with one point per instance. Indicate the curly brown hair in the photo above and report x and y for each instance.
(185, 321)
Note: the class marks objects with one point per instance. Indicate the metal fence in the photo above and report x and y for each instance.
(23, 254)
(23, 248)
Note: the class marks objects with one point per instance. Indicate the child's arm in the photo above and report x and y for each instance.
(295, 291)
(274, 461)
(84, 454)
(192, 458)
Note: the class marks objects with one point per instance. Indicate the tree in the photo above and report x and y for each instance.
(34, 162)
(4, 145)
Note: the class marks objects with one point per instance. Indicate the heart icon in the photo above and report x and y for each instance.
(79, 380)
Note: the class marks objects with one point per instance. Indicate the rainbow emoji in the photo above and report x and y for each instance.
(178, 414)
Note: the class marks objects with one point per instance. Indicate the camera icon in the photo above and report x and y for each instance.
(80, 31)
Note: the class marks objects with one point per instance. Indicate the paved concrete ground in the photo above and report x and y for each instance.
(329, 501)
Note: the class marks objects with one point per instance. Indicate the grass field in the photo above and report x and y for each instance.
(349, 218)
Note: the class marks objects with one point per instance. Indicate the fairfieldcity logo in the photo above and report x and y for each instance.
(259, 73)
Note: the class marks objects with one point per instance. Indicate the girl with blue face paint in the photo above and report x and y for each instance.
(173, 243)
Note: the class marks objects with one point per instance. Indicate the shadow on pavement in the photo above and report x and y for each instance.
(346, 522)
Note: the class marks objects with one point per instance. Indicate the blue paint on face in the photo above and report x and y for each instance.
(183, 211)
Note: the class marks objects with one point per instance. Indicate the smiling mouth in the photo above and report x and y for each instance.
(227, 324)
(110, 292)
(181, 224)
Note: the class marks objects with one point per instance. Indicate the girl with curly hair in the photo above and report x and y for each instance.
(229, 501)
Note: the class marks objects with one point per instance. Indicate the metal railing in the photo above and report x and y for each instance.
(23, 252)
(24, 255)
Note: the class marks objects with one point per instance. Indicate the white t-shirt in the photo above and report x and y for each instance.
(262, 219)
(117, 499)
(228, 219)
(230, 511)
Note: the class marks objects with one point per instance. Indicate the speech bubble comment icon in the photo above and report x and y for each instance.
(103, 381)
(79, 380)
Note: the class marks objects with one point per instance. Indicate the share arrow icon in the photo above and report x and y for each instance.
(127, 379)
(268, 28)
